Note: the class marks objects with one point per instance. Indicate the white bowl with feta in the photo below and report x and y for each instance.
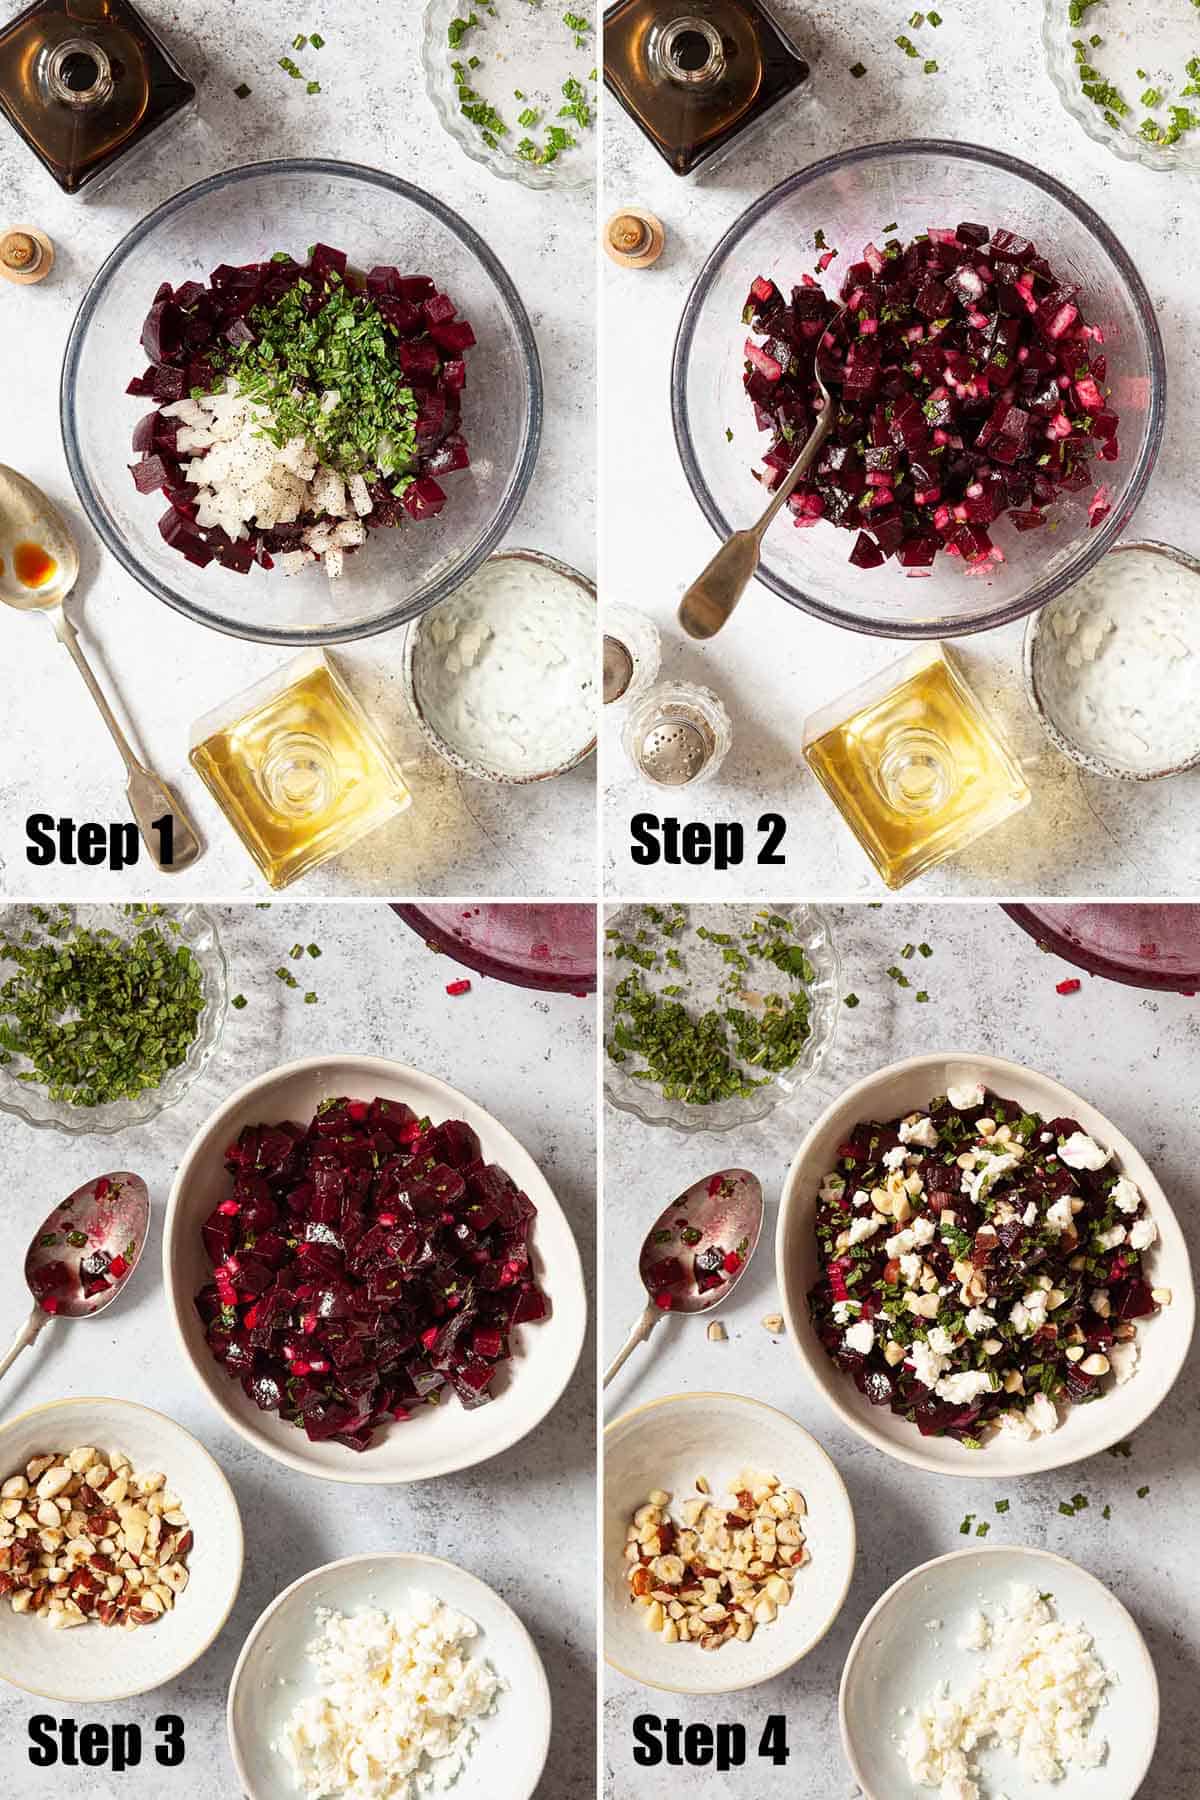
(383, 1676)
(1058, 1436)
(1000, 1673)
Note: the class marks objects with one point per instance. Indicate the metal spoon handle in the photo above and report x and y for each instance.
(24, 1337)
(638, 1335)
(150, 799)
(713, 595)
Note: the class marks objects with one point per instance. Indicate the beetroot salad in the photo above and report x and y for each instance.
(365, 1266)
(969, 387)
(300, 406)
(980, 1266)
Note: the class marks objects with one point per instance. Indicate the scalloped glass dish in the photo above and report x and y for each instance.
(520, 48)
(1156, 40)
(849, 196)
(242, 216)
(705, 968)
(198, 930)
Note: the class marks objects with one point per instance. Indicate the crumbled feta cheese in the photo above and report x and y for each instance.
(1108, 1240)
(927, 1365)
(941, 1340)
(396, 1707)
(981, 1179)
(864, 1227)
(845, 1310)
(967, 1098)
(894, 1159)
(861, 1337)
(832, 1188)
(1035, 1695)
(901, 1242)
(917, 1130)
(911, 1268)
(1125, 1196)
(977, 1322)
(1124, 1359)
(1082, 1152)
(923, 1231)
(961, 1389)
(977, 1632)
(1029, 1216)
(1142, 1234)
(1042, 1414)
(1059, 1216)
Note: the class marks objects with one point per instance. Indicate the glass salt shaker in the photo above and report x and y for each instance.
(677, 734)
(632, 653)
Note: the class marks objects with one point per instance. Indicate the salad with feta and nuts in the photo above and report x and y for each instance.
(981, 1267)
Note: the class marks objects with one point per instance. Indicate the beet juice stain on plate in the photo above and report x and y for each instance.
(697, 1251)
(82, 1255)
(551, 946)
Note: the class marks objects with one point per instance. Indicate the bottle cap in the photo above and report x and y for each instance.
(634, 239)
(26, 255)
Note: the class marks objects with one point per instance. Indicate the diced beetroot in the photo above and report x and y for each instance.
(150, 474)
(456, 335)
(323, 259)
(866, 554)
(423, 498)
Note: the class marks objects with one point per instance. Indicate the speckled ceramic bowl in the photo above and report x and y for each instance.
(435, 731)
(1036, 638)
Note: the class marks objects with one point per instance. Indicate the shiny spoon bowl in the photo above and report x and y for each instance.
(697, 1251)
(83, 1253)
(39, 566)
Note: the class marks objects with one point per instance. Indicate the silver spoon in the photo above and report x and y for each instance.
(722, 1212)
(36, 542)
(95, 1235)
(707, 604)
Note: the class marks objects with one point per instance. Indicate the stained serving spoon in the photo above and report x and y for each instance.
(707, 604)
(39, 566)
(718, 1218)
(83, 1254)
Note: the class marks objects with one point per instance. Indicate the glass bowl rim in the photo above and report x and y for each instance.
(1100, 540)
(1125, 145)
(512, 498)
(152, 1102)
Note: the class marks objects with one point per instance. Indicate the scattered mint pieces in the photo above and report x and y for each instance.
(239, 1001)
(851, 1000)
(243, 91)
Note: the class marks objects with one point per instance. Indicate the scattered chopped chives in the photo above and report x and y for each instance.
(1142, 1492)
(289, 68)
(317, 41)
(300, 42)
(982, 1529)
(906, 44)
(908, 950)
(314, 949)
(925, 949)
(934, 18)
(921, 996)
(243, 91)
(1002, 1506)
(238, 1001)
(858, 70)
(295, 951)
(930, 67)
(851, 1000)
(314, 87)
(310, 999)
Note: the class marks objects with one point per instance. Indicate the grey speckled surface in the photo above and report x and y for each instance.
(1131, 1053)
(524, 1521)
(773, 665)
(462, 837)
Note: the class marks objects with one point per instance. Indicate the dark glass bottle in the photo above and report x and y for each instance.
(86, 82)
(695, 76)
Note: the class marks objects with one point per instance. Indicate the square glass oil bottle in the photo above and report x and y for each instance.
(696, 74)
(297, 768)
(914, 765)
(86, 83)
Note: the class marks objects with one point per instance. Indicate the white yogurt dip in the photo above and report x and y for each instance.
(1117, 662)
(505, 671)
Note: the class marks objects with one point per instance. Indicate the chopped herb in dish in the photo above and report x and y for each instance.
(980, 1267)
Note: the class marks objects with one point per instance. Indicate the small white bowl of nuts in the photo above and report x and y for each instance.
(120, 1550)
(728, 1543)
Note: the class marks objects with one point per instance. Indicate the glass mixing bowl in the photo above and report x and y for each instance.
(851, 197)
(243, 216)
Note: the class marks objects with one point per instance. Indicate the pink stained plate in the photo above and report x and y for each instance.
(1141, 945)
(551, 947)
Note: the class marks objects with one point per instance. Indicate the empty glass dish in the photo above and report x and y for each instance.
(851, 197)
(244, 216)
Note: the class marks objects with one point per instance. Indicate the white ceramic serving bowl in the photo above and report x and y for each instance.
(898, 1659)
(92, 1664)
(273, 1672)
(667, 1444)
(1085, 1431)
(443, 1438)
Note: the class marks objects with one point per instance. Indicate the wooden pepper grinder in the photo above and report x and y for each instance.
(634, 239)
(26, 255)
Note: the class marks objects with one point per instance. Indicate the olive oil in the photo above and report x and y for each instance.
(298, 768)
(914, 765)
